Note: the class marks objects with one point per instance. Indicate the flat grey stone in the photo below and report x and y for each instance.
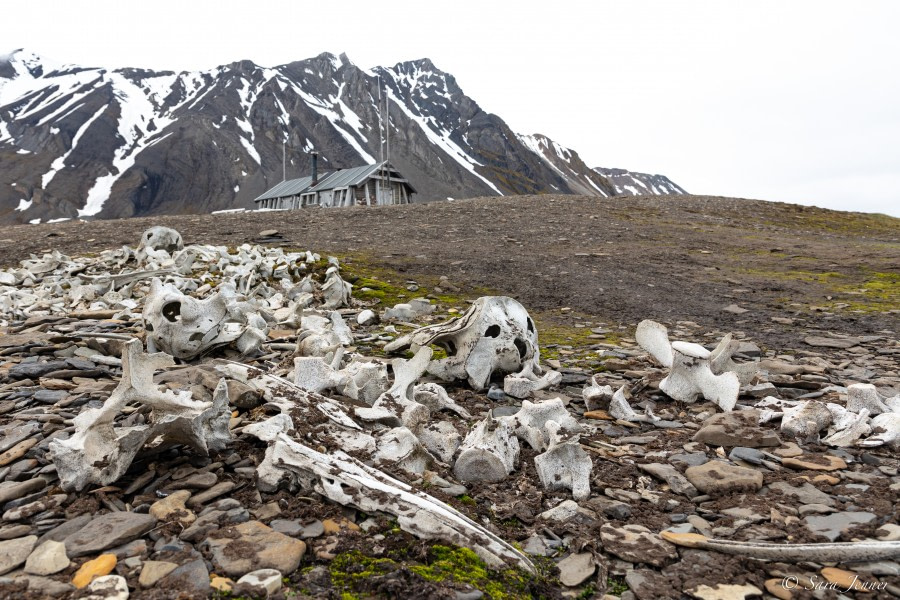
(13, 553)
(637, 544)
(675, 480)
(252, 545)
(193, 576)
(750, 455)
(106, 531)
(739, 428)
(12, 490)
(806, 493)
(61, 532)
(828, 342)
(47, 559)
(832, 525)
(288, 527)
(576, 568)
(691, 459)
(313, 530)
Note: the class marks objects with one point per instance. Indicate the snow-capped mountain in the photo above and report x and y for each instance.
(629, 183)
(90, 142)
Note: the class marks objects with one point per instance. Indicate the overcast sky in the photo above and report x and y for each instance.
(793, 101)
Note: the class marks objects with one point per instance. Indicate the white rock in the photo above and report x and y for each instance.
(108, 587)
(366, 317)
(265, 579)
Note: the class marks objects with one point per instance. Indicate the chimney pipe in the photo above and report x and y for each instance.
(313, 160)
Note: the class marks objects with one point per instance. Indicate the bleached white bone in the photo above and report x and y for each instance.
(846, 427)
(565, 465)
(805, 420)
(864, 395)
(366, 381)
(596, 396)
(314, 374)
(529, 424)
(435, 397)
(691, 377)
(399, 400)
(720, 361)
(100, 452)
(350, 483)
(885, 429)
(495, 334)
(654, 338)
(489, 452)
(186, 327)
(441, 439)
(336, 290)
(400, 446)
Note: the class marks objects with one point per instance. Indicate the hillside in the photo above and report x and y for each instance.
(622, 259)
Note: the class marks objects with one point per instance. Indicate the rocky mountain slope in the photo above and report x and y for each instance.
(89, 142)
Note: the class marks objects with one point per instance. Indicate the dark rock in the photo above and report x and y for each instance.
(106, 531)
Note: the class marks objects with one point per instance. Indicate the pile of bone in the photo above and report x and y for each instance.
(165, 410)
(234, 319)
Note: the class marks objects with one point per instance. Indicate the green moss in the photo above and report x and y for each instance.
(555, 335)
(466, 499)
(616, 586)
(444, 564)
(587, 592)
(879, 292)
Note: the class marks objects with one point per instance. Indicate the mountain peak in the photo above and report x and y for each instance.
(133, 142)
(21, 61)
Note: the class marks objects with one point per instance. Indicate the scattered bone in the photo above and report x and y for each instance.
(596, 396)
(314, 374)
(185, 327)
(495, 334)
(885, 431)
(531, 422)
(519, 386)
(336, 290)
(436, 398)
(692, 377)
(565, 465)
(400, 446)
(720, 361)
(159, 238)
(99, 452)
(864, 396)
(414, 309)
(695, 371)
(846, 427)
(836, 552)
(804, 421)
(489, 452)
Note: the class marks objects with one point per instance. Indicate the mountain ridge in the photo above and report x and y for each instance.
(92, 142)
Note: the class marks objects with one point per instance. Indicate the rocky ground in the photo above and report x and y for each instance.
(813, 293)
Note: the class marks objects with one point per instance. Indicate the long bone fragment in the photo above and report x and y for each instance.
(349, 482)
(835, 552)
